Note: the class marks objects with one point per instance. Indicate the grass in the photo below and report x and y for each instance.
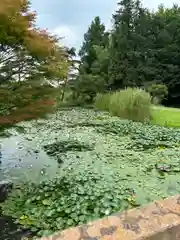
(164, 116)
(135, 104)
(131, 103)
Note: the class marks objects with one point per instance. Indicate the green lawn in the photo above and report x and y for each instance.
(166, 116)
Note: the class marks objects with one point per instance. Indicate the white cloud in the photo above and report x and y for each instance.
(72, 30)
(68, 33)
(153, 4)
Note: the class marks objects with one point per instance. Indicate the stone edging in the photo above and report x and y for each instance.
(157, 221)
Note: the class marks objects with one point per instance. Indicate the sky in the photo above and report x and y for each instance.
(70, 18)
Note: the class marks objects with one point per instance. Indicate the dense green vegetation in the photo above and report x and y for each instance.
(136, 104)
(106, 165)
(140, 50)
(133, 104)
(119, 153)
(31, 60)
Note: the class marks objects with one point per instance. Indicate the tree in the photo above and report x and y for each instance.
(71, 54)
(128, 44)
(158, 92)
(101, 64)
(26, 52)
(120, 44)
(29, 57)
(95, 36)
(144, 47)
(93, 67)
(167, 48)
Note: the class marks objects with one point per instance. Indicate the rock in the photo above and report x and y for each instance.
(5, 188)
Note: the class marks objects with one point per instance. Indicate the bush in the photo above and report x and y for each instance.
(131, 103)
(158, 92)
(20, 102)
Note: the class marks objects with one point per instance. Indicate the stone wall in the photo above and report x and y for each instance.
(157, 221)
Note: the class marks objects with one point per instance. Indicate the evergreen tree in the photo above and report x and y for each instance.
(120, 44)
(142, 49)
(167, 48)
(93, 54)
(145, 47)
(128, 43)
(95, 36)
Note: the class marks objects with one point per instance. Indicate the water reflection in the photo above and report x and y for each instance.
(22, 159)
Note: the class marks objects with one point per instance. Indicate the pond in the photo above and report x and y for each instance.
(112, 164)
(22, 154)
(83, 136)
(22, 159)
(11, 231)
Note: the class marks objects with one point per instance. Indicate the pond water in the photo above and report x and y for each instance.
(11, 231)
(22, 159)
(144, 158)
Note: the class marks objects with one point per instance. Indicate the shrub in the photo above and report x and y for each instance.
(131, 103)
(158, 92)
(88, 85)
(23, 102)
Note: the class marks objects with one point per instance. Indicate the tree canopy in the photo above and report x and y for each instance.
(93, 58)
(29, 58)
(141, 49)
(27, 52)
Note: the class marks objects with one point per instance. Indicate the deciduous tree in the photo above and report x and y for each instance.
(26, 52)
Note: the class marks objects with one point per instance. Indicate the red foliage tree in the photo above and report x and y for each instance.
(27, 55)
(27, 52)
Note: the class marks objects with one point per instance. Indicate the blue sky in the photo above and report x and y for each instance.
(71, 18)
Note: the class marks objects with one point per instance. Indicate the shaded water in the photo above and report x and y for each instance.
(11, 231)
(22, 159)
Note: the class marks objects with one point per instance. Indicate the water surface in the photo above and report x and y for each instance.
(22, 159)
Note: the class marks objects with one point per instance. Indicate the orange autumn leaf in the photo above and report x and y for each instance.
(36, 47)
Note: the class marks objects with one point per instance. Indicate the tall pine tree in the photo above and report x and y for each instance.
(93, 54)
(167, 48)
(128, 43)
(95, 36)
(120, 44)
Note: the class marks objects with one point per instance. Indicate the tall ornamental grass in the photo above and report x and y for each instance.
(131, 103)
